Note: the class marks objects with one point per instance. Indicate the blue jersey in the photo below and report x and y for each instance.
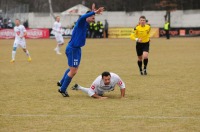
(80, 31)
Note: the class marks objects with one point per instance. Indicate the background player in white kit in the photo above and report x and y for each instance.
(103, 83)
(20, 33)
(57, 30)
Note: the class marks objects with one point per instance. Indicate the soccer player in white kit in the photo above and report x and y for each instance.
(20, 33)
(103, 83)
(57, 30)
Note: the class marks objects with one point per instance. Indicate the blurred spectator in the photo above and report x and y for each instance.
(167, 28)
(73, 25)
(100, 29)
(5, 23)
(10, 24)
(26, 24)
(91, 30)
(95, 30)
(106, 28)
(1, 23)
(147, 22)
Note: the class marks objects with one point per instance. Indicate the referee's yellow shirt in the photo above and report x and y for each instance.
(141, 32)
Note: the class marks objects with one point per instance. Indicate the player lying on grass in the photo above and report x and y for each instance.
(103, 83)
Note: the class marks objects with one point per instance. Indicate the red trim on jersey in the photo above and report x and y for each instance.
(120, 82)
(92, 87)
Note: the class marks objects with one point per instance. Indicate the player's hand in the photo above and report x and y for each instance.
(103, 98)
(93, 7)
(139, 40)
(99, 11)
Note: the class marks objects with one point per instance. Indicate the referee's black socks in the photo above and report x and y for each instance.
(145, 61)
(140, 65)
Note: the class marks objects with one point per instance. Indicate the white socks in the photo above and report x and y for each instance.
(57, 49)
(13, 55)
(85, 90)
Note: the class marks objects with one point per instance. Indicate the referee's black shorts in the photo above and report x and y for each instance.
(141, 47)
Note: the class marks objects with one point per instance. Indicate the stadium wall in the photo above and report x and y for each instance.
(179, 18)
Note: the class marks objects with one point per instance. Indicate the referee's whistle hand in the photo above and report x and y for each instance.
(139, 40)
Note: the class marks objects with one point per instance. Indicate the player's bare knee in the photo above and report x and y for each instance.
(24, 50)
(74, 72)
(139, 58)
(145, 56)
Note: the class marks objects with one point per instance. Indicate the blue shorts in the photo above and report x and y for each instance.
(74, 56)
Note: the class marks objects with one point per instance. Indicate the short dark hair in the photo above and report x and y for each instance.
(17, 19)
(105, 74)
(88, 12)
(142, 17)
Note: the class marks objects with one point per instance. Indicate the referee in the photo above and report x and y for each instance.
(141, 34)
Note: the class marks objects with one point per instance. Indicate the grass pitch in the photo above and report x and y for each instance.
(167, 99)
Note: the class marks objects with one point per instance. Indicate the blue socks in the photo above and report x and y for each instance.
(63, 79)
(66, 83)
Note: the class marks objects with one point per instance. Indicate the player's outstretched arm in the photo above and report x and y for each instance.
(122, 92)
(24, 35)
(98, 97)
(99, 11)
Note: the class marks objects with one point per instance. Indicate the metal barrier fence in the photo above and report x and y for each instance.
(10, 10)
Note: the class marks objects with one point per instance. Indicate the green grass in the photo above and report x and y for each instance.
(167, 99)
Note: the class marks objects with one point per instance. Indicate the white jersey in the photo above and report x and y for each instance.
(19, 33)
(57, 31)
(57, 28)
(99, 87)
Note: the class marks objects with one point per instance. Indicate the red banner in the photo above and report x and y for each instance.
(37, 33)
(7, 34)
(31, 33)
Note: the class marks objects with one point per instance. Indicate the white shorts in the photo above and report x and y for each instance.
(97, 91)
(21, 43)
(59, 39)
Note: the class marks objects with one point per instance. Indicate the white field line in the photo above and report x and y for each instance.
(93, 116)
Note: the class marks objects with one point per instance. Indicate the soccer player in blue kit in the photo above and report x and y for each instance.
(73, 49)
